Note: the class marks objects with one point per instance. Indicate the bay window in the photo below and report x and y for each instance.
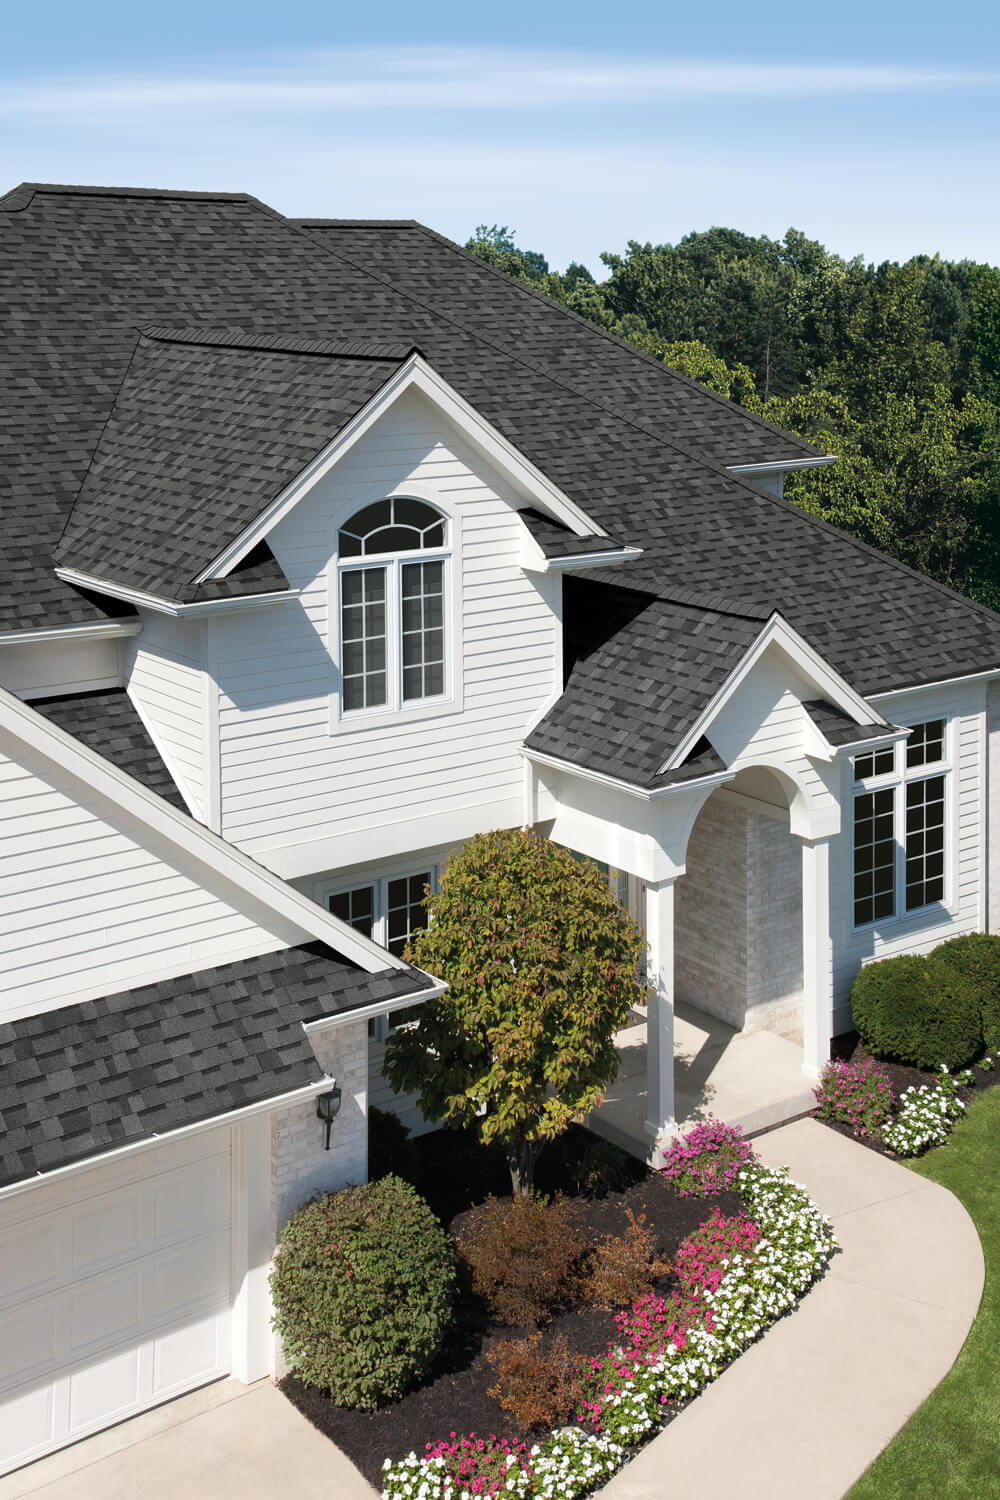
(901, 826)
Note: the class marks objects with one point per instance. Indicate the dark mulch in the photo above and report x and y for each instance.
(454, 1173)
(850, 1048)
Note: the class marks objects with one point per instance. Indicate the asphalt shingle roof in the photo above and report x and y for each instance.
(82, 271)
(558, 541)
(80, 1081)
(838, 728)
(201, 438)
(107, 722)
(668, 659)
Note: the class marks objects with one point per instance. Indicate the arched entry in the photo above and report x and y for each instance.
(738, 951)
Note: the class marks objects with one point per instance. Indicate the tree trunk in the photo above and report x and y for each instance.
(522, 1158)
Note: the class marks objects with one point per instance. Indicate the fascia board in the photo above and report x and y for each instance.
(191, 838)
(786, 466)
(149, 1143)
(435, 987)
(776, 632)
(609, 559)
(170, 607)
(57, 634)
(416, 374)
(644, 794)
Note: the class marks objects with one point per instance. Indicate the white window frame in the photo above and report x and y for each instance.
(392, 564)
(395, 710)
(897, 781)
(379, 1027)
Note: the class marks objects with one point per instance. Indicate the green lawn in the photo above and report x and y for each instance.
(950, 1447)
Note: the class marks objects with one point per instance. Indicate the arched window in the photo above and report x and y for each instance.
(392, 611)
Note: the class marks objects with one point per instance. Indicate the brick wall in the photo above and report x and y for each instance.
(738, 921)
(300, 1166)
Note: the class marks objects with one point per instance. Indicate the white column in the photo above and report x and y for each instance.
(660, 1022)
(817, 955)
(253, 1243)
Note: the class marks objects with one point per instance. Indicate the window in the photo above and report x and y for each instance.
(389, 912)
(392, 612)
(899, 826)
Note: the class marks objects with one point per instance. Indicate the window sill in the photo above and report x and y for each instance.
(366, 721)
(927, 916)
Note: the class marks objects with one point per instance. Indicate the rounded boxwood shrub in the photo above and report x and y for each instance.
(977, 956)
(363, 1284)
(919, 1011)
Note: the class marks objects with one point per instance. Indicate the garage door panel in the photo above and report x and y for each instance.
(104, 1392)
(29, 1343)
(189, 1276)
(106, 1311)
(191, 1198)
(34, 1259)
(112, 1300)
(108, 1232)
(197, 1352)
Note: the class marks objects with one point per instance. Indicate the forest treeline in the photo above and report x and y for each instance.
(895, 368)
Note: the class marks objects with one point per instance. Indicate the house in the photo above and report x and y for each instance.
(325, 547)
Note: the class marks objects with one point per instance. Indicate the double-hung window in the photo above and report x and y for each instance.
(393, 605)
(901, 826)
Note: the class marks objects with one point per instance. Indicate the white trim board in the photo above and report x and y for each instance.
(414, 374)
(170, 606)
(785, 466)
(778, 632)
(105, 780)
(113, 630)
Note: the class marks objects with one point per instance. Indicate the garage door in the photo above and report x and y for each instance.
(114, 1293)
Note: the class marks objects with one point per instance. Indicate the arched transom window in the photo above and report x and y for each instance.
(392, 611)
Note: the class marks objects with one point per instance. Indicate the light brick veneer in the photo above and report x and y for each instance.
(300, 1166)
(738, 921)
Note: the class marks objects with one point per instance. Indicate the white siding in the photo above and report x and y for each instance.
(44, 667)
(303, 790)
(88, 907)
(964, 908)
(168, 687)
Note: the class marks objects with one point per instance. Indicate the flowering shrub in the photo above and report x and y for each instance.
(926, 1114)
(568, 1464)
(708, 1159)
(857, 1094)
(670, 1347)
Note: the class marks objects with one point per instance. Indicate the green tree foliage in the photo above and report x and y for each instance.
(541, 964)
(893, 368)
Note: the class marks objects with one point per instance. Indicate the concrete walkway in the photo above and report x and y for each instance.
(805, 1411)
(798, 1417)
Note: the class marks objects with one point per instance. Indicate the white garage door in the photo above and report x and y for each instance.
(114, 1293)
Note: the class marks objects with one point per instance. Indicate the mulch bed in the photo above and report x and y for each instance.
(454, 1173)
(849, 1048)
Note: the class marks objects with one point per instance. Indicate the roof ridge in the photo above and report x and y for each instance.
(606, 333)
(83, 190)
(275, 343)
(787, 506)
(358, 223)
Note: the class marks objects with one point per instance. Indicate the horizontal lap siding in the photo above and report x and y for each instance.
(85, 910)
(965, 811)
(167, 685)
(291, 772)
(33, 671)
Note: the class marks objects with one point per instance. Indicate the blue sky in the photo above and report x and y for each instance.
(873, 127)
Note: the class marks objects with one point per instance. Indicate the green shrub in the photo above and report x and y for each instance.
(362, 1285)
(521, 1257)
(977, 956)
(917, 1010)
(389, 1147)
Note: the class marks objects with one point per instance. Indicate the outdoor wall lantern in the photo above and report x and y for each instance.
(327, 1106)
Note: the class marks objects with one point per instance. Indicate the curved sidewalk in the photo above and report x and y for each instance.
(807, 1409)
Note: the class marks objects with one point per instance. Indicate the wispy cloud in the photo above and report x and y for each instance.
(464, 79)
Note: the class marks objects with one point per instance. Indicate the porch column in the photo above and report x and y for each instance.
(817, 955)
(660, 1018)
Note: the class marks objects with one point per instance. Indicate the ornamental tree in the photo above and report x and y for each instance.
(542, 967)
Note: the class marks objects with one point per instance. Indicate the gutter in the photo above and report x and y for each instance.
(141, 599)
(112, 631)
(120, 1153)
